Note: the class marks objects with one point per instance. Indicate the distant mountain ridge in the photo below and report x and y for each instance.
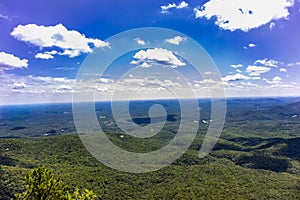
(290, 110)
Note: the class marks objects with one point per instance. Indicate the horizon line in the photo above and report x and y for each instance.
(156, 99)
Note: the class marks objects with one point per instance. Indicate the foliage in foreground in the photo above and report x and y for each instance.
(42, 185)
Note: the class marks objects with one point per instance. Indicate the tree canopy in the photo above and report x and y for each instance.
(42, 185)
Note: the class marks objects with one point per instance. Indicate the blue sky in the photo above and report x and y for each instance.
(255, 45)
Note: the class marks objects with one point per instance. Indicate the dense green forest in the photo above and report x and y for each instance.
(257, 156)
(262, 169)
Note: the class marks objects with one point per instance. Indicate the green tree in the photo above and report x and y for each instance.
(42, 185)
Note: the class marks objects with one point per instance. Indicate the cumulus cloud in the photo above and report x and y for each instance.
(145, 65)
(181, 5)
(267, 62)
(235, 77)
(18, 86)
(244, 14)
(236, 66)
(46, 55)
(283, 69)
(9, 61)
(207, 83)
(71, 42)
(275, 81)
(257, 70)
(71, 53)
(106, 80)
(140, 41)
(148, 57)
(250, 45)
(256, 78)
(176, 40)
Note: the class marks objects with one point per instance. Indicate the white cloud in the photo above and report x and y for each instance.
(208, 73)
(62, 89)
(275, 81)
(235, 77)
(65, 68)
(9, 61)
(256, 78)
(250, 45)
(206, 82)
(164, 9)
(106, 80)
(249, 84)
(203, 88)
(19, 85)
(140, 41)
(272, 25)
(267, 62)
(134, 62)
(181, 5)
(44, 56)
(176, 40)
(293, 64)
(283, 69)
(236, 66)
(170, 83)
(71, 42)
(50, 80)
(142, 87)
(61, 80)
(70, 53)
(244, 14)
(156, 56)
(257, 70)
(4, 16)
(32, 89)
(145, 65)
